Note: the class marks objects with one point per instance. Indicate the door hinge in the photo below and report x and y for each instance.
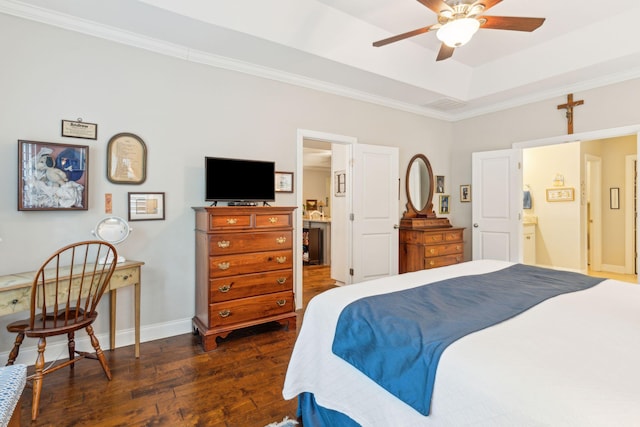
(519, 165)
(351, 217)
(351, 272)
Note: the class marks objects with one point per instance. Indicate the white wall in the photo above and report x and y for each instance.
(604, 108)
(183, 111)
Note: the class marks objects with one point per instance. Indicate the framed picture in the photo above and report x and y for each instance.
(444, 204)
(614, 198)
(126, 159)
(79, 129)
(311, 205)
(52, 176)
(439, 183)
(340, 183)
(560, 194)
(146, 206)
(284, 182)
(465, 193)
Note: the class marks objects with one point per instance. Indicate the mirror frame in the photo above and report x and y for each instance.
(412, 211)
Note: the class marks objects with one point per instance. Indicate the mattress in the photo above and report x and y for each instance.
(571, 360)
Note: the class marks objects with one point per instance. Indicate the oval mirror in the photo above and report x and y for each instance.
(419, 186)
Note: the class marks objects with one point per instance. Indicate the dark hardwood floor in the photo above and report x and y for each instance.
(175, 383)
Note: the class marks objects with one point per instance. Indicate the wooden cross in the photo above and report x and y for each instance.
(569, 107)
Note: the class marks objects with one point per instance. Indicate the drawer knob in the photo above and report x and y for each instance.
(224, 313)
(280, 240)
(273, 219)
(223, 265)
(15, 301)
(281, 302)
(225, 288)
(281, 280)
(458, 247)
(281, 259)
(458, 259)
(224, 244)
(432, 251)
(432, 263)
(232, 221)
(125, 277)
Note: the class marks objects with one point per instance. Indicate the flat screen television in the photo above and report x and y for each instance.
(239, 181)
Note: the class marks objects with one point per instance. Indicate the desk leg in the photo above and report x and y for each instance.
(137, 303)
(112, 319)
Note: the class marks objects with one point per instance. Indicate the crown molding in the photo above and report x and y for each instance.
(91, 28)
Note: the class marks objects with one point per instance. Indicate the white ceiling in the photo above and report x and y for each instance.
(326, 44)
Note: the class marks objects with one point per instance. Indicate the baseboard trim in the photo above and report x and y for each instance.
(58, 349)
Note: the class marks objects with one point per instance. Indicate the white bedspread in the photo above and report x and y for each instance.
(573, 360)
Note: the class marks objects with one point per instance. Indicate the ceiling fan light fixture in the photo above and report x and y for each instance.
(458, 32)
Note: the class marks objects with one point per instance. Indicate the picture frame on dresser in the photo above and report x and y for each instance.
(52, 176)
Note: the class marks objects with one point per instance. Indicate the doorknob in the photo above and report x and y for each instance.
(396, 226)
(475, 225)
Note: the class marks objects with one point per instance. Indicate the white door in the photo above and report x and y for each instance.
(497, 200)
(375, 198)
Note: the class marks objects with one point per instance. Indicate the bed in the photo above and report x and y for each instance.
(573, 359)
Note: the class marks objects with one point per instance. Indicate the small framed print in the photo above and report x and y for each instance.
(560, 194)
(52, 176)
(284, 182)
(444, 204)
(79, 129)
(311, 205)
(465, 193)
(439, 183)
(126, 159)
(614, 198)
(146, 206)
(340, 183)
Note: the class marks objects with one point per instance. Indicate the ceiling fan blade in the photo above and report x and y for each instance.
(488, 4)
(512, 23)
(445, 52)
(438, 5)
(403, 36)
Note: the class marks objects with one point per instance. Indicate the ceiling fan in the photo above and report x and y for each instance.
(458, 21)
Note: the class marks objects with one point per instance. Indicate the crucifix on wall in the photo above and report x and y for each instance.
(569, 107)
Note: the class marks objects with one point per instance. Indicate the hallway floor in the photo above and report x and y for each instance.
(632, 278)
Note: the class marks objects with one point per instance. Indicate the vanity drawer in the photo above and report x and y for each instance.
(233, 243)
(247, 285)
(232, 265)
(438, 250)
(453, 236)
(246, 309)
(441, 261)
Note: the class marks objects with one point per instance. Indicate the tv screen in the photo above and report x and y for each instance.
(235, 180)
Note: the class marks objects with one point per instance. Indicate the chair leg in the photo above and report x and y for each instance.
(72, 348)
(37, 378)
(99, 353)
(16, 348)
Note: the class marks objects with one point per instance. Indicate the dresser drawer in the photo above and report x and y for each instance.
(453, 236)
(232, 265)
(438, 250)
(273, 220)
(245, 309)
(441, 261)
(248, 285)
(229, 222)
(234, 243)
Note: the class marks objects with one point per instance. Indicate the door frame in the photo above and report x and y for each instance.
(301, 135)
(583, 136)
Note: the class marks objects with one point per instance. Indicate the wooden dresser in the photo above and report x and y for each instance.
(422, 248)
(244, 269)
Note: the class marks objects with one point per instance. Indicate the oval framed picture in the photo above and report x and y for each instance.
(126, 159)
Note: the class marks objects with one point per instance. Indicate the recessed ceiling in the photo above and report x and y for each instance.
(327, 44)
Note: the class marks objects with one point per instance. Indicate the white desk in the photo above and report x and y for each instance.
(15, 295)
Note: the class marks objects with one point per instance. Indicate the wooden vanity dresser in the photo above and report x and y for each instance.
(244, 269)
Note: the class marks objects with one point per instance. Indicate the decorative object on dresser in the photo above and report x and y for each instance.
(426, 241)
(244, 269)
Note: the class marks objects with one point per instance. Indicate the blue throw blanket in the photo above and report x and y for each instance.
(396, 339)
